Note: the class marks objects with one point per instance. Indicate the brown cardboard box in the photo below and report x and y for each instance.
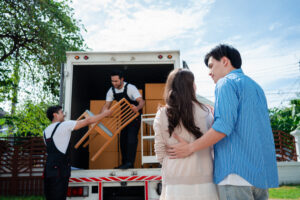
(138, 162)
(152, 105)
(99, 141)
(143, 110)
(95, 107)
(154, 90)
(107, 160)
(109, 157)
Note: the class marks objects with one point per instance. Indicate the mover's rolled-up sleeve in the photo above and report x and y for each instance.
(226, 107)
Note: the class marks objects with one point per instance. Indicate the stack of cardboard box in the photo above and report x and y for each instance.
(154, 96)
(111, 157)
(154, 93)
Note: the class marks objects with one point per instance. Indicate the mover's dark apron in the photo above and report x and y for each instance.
(128, 136)
(57, 170)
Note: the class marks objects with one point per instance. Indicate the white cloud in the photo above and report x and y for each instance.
(265, 62)
(262, 60)
(151, 25)
(274, 26)
(134, 26)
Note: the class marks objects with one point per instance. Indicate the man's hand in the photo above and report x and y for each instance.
(107, 112)
(134, 108)
(180, 150)
(211, 108)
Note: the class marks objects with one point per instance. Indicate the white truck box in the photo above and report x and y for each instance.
(86, 77)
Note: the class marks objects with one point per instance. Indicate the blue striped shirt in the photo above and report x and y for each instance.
(248, 149)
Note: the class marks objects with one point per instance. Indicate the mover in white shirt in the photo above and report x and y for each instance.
(57, 137)
(128, 136)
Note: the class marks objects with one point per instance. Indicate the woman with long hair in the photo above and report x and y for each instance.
(189, 178)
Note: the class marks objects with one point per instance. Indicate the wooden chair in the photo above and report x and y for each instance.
(121, 116)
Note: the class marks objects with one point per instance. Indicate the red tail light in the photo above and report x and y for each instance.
(81, 191)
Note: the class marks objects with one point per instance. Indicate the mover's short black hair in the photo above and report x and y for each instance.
(51, 110)
(225, 50)
(117, 73)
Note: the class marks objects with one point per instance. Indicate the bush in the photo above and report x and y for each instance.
(286, 119)
(30, 120)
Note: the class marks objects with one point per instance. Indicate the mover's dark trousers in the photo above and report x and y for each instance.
(56, 187)
(129, 141)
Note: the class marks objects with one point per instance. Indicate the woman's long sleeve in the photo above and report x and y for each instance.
(159, 144)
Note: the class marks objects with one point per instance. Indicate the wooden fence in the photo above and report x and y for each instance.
(22, 163)
(284, 146)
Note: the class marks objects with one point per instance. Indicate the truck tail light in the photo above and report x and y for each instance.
(86, 57)
(160, 56)
(170, 56)
(79, 191)
(76, 57)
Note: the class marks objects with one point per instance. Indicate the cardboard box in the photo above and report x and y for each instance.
(95, 107)
(143, 110)
(138, 160)
(107, 160)
(154, 90)
(153, 105)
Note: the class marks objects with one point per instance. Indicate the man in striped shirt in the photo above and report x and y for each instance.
(244, 162)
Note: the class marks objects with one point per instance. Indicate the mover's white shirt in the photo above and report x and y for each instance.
(132, 92)
(62, 134)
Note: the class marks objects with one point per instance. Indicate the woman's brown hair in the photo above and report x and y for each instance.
(179, 96)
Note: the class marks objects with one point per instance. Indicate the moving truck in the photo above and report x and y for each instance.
(85, 82)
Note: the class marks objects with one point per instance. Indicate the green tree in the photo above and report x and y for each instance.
(286, 119)
(34, 36)
(5, 83)
(30, 120)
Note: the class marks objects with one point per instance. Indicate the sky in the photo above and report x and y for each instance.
(267, 34)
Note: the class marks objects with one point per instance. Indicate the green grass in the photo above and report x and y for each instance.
(23, 198)
(285, 192)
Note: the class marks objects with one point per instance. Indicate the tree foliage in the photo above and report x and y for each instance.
(34, 36)
(30, 120)
(5, 83)
(286, 119)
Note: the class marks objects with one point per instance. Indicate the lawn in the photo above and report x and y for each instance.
(285, 192)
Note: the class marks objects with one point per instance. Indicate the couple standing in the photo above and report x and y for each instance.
(242, 163)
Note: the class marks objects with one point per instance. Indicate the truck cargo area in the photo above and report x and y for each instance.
(91, 82)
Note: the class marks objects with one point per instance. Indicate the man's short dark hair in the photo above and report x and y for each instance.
(225, 50)
(51, 110)
(117, 73)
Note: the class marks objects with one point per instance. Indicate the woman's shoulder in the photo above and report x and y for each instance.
(201, 110)
(200, 107)
(161, 110)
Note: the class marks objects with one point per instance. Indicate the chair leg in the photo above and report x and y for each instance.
(83, 138)
(90, 139)
(100, 150)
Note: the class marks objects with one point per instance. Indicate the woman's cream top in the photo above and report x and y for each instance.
(194, 169)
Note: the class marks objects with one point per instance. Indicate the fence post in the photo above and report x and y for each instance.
(296, 134)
